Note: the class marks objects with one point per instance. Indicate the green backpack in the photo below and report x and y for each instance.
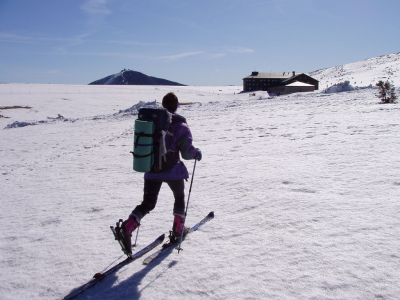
(152, 140)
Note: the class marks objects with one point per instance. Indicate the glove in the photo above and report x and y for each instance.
(198, 156)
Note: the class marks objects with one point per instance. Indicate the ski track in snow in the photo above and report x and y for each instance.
(304, 187)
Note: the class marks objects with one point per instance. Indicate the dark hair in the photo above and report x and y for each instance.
(170, 102)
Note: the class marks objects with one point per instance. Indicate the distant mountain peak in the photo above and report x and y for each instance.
(129, 77)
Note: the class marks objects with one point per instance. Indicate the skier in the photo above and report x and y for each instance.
(174, 177)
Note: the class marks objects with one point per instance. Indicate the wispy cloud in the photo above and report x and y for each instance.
(218, 55)
(96, 8)
(231, 50)
(127, 55)
(13, 38)
(240, 50)
(96, 11)
(223, 53)
(128, 42)
(181, 55)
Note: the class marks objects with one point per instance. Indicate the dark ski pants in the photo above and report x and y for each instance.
(151, 191)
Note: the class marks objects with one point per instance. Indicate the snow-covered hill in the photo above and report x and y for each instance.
(362, 73)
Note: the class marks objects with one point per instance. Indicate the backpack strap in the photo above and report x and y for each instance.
(136, 143)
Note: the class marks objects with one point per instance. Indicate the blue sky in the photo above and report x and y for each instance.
(194, 42)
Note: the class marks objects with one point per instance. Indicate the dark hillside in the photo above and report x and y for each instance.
(129, 77)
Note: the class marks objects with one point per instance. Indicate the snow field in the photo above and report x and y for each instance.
(304, 188)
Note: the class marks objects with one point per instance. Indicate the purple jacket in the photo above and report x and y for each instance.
(181, 143)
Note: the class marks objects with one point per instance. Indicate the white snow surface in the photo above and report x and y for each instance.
(305, 189)
(362, 73)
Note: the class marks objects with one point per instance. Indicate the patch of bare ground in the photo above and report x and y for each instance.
(12, 107)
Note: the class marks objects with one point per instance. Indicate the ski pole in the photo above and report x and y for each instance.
(187, 206)
(137, 233)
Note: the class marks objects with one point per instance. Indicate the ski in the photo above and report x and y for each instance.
(167, 246)
(100, 276)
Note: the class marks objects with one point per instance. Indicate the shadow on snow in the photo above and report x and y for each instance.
(110, 288)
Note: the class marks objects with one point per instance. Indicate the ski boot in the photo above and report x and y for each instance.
(176, 232)
(123, 233)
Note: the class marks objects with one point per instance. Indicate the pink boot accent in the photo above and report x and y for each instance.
(131, 224)
(178, 224)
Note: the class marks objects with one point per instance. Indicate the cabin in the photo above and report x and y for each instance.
(280, 83)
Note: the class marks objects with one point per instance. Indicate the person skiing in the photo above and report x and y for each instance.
(174, 177)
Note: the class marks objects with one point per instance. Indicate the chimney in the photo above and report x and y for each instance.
(294, 73)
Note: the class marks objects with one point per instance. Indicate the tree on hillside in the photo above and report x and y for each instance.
(387, 92)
